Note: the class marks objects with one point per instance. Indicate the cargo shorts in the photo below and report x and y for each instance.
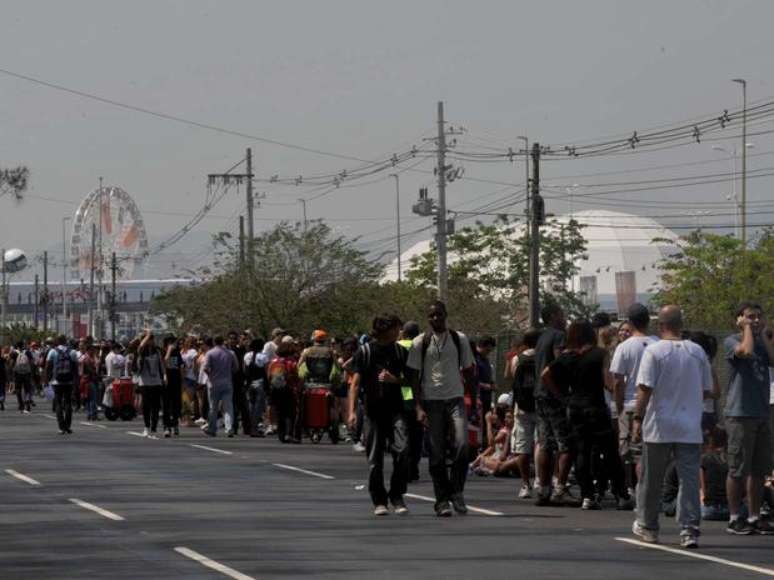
(553, 425)
(749, 446)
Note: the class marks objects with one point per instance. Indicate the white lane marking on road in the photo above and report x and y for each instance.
(87, 424)
(95, 508)
(212, 564)
(213, 449)
(715, 559)
(306, 471)
(471, 508)
(135, 433)
(49, 416)
(22, 477)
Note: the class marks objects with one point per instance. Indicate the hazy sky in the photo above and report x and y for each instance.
(362, 79)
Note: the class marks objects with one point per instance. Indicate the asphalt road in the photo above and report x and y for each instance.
(266, 510)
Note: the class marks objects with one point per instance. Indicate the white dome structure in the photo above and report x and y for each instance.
(621, 255)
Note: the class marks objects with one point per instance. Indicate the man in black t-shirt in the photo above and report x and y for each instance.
(552, 425)
(379, 367)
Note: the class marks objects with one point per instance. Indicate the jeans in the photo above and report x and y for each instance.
(23, 384)
(241, 409)
(383, 429)
(151, 405)
(448, 436)
(287, 413)
(225, 395)
(172, 401)
(655, 458)
(257, 399)
(63, 402)
(593, 435)
(91, 401)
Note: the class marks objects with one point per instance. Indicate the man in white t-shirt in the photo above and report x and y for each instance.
(624, 367)
(672, 383)
(439, 357)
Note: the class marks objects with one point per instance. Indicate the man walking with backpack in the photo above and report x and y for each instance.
(439, 357)
(62, 374)
(379, 366)
(22, 365)
(524, 417)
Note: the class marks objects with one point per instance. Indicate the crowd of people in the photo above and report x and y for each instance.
(623, 410)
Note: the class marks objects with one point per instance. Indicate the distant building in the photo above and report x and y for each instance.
(622, 263)
(133, 298)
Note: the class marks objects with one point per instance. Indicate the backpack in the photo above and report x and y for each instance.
(278, 375)
(63, 367)
(524, 381)
(23, 365)
(255, 375)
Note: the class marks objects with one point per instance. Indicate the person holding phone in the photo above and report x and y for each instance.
(749, 354)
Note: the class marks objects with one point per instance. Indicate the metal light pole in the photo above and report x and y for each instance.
(744, 160)
(397, 218)
(733, 195)
(64, 273)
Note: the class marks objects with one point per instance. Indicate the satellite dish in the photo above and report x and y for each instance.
(15, 261)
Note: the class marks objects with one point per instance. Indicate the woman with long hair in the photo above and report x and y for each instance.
(150, 369)
(578, 375)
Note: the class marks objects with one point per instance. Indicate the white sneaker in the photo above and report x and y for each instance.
(359, 447)
(525, 492)
(201, 421)
(381, 510)
(145, 432)
(646, 535)
(270, 430)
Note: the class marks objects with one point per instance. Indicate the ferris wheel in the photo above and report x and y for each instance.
(111, 217)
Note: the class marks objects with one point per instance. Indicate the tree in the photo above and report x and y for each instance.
(300, 278)
(489, 270)
(14, 181)
(712, 274)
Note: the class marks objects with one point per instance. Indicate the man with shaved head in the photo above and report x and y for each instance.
(673, 380)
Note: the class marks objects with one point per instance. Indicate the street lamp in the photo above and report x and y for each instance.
(733, 196)
(397, 218)
(64, 272)
(571, 191)
(744, 160)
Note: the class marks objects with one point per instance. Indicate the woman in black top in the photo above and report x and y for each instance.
(578, 376)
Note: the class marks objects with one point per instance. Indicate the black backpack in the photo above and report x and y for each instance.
(524, 383)
(64, 373)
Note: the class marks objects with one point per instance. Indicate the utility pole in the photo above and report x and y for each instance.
(3, 303)
(743, 202)
(535, 219)
(227, 179)
(397, 218)
(440, 240)
(113, 311)
(91, 278)
(303, 206)
(35, 313)
(241, 241)
(64, 272)
(250, 218)
(45, 291)
(99, 322)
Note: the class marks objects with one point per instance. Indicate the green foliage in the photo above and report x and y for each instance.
(713, 273)
(14, 181)
(16, 332)
(300, 279)
(489, 274)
